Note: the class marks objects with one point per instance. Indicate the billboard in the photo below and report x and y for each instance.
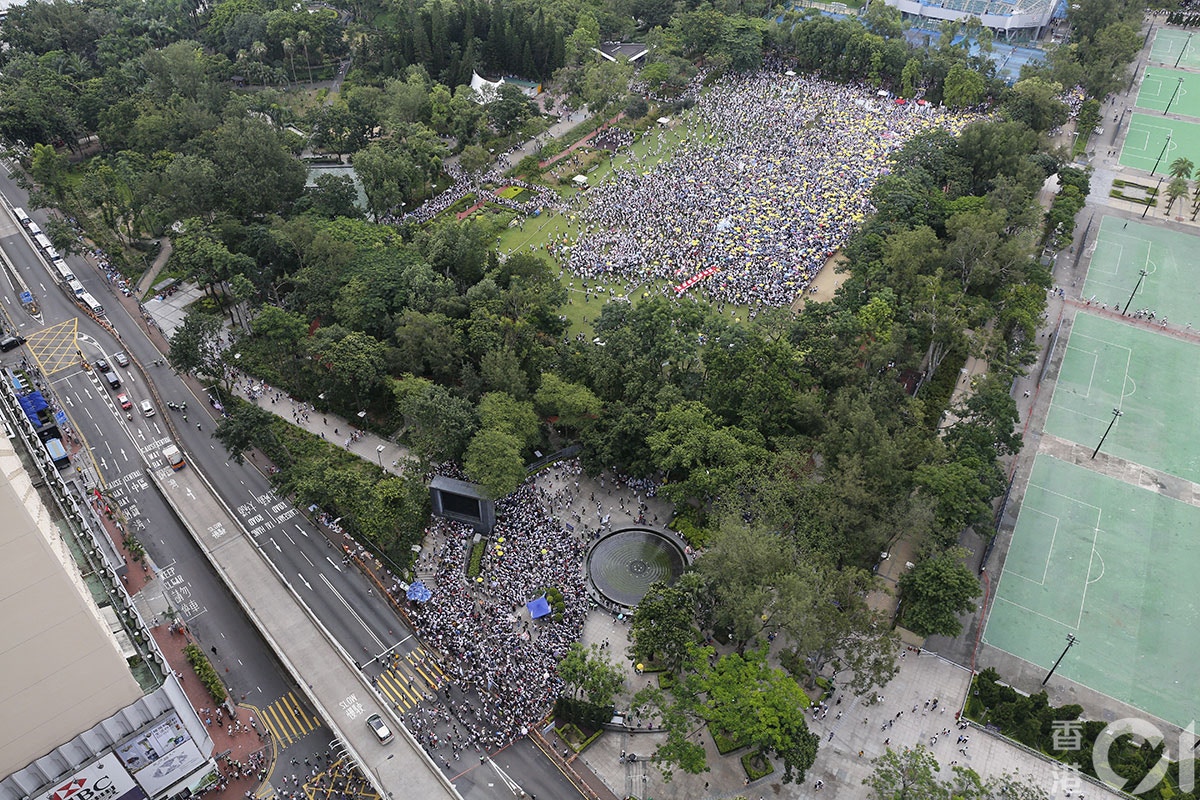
(160, 755)
(165, 772)
(105, 779)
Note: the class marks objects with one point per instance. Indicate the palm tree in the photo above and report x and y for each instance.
(302, 39)
(289, 49)
(258, 50)
(1176, 189)
(1181, 168)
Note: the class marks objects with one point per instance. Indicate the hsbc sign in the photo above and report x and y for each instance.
(106, 779)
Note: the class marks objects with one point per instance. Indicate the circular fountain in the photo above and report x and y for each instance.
(623, 564)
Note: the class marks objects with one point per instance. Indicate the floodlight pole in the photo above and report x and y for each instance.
(1136, 286)
(1146, 205)
(1113, 421)
(1173, 95)
(1162, 153)
(1070, 641)
(1184, 49)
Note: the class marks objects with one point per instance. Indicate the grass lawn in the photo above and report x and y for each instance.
(583, 307)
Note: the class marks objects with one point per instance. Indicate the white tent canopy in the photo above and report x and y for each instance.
(581, 180)
(485, 91)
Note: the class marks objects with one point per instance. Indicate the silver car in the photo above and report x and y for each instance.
(376, 724)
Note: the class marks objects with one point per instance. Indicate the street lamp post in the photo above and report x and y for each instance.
(1162, 153)
(1136, 286)
(1070, 641)
(379, 448)
(1113, 421)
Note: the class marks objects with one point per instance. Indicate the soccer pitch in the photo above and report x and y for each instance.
(1150, 137)
(1153, 380)
(1179, 89)
(1167, 46)
(1112, 564)
(1124, 248)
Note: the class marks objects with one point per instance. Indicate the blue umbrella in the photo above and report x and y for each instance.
(418, 591)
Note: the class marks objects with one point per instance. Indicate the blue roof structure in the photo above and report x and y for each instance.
(538, 608)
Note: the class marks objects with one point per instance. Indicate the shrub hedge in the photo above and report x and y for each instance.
(206, 673)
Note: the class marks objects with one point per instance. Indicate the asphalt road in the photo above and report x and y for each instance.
(365, 625)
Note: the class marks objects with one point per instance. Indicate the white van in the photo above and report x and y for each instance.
(91, 304)
(147, 408)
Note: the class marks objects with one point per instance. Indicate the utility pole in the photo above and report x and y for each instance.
(1070, 641)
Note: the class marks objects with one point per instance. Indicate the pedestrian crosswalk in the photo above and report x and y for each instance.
(409, 678)
(288, 720)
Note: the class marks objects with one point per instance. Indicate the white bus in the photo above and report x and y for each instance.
(43, 241)
(64, 272)
(21, 216)
(76, 288)
(92, 305)
(33, 228)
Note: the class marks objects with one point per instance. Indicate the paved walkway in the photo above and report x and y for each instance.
(244, 746)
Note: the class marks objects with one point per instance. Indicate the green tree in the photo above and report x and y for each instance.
(502, 412)
(335, 196)
(196, 348)
(741, 697)
(440, 424)
(1036, 102)
(572, 403)
(258, 172)
(493, 460)
(243, 427)
(510, 108)
(663, 626)
(589, 673)
(935, 592)
(907, 775)
(963, 87)
(49, 169)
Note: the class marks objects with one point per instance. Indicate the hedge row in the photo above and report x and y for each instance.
(475, 562)
(205, 672)
(583, 713)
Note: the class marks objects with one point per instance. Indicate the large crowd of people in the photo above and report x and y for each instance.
(492, 647)
(773, 174)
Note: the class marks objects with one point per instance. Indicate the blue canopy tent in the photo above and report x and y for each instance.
(419, 592)
(538, 608)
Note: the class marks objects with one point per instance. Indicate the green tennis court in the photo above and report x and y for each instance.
(1167, 46)
(1159, 86)
(1151, 377)
(1147, 136)
(1125, 247)
(1114, 565)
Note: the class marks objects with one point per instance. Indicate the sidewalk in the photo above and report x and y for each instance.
(243, 756)
(386, 454)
